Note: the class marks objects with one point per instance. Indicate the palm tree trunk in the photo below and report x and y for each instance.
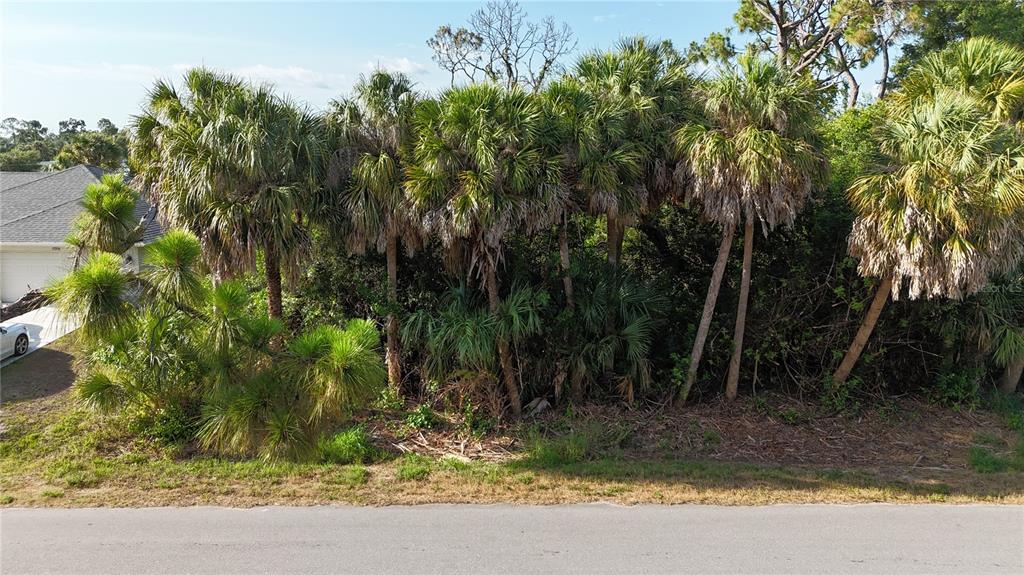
(732, 382)
(1011, 377)
(563, 252)
(861, 339)
(392, 356)
(273, 265)
(504, 353)
(615, 233)
(709, 308)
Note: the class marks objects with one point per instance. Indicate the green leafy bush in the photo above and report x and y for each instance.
(841, 397)
(194, 361)
(350, 446)
(174, 424)
(388, 400)
(959, 388)
(422, 418)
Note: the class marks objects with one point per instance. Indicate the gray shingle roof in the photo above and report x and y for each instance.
(41, 206)
(12, 179)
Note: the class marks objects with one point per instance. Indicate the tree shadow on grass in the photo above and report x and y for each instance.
(44, 372)
(830, 483)
(682, 460)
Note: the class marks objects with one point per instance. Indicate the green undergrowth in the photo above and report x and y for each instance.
(61, 456)
(994, 455)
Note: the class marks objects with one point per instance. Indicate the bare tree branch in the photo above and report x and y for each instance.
(502, 45)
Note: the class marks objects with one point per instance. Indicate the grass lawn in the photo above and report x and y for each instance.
(55, 453)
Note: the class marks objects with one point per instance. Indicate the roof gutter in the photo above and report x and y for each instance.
(6, 244)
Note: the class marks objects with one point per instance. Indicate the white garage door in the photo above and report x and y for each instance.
(21, 271)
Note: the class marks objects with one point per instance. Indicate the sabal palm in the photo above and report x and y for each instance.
(993, 322)
(234, 164)
(638, 92)
(753, 158)
(988, 71)
(478, 173)
(378, 127)
(589, 137)
(944, 212)
(978, 73)
(1008, 333)
(463, 337)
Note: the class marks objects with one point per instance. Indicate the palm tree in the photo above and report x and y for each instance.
(943, 173)
(588, 137)
(754, 158)
(95, 294)
(107, 222)
(235, 165)
(479, 173)
(993, 321)
(944, 212)
(988, 71)
(378, 125)
(638, 93)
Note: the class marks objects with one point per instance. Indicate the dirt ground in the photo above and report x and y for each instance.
(906, 435)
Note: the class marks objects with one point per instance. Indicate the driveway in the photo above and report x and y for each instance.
(44, 325)
(933, 539)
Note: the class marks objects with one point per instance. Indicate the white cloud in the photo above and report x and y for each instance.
(605, 17)
(290, 76)
(400, 64)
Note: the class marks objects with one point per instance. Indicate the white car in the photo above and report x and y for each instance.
(13, 340)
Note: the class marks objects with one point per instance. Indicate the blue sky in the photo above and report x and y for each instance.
(96, 60)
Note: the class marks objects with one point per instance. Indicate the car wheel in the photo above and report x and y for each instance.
(21, 345)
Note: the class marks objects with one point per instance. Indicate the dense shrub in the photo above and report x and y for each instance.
(191, 360)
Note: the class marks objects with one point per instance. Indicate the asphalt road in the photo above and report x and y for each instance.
(506, 539)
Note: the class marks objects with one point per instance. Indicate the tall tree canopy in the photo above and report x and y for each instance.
(377, 128)
(480, 174)
(639, 92)
(236, 165)
(942, 23)
(944, 212)
(754, 159)
(503, 46)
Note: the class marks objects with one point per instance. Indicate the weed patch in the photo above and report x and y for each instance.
(413, 468)
(350, 446)
(351, 476)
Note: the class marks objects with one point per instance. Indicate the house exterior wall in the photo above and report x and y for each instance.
(24, 267)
